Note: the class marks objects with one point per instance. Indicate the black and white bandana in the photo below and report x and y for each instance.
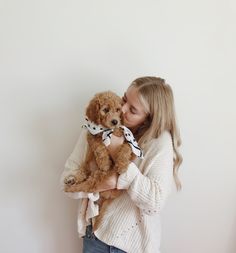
(106, 136)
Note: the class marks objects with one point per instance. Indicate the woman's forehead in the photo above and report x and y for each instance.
(132, 95)
(133, 98)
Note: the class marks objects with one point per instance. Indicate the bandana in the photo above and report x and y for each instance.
(106, 136)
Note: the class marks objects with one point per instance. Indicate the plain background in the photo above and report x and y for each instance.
(56, 54)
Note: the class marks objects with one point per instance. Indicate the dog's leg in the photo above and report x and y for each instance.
(82, 172)
(123, 158)
(86, 186)
(91, 184)
(79, 177)
(100, 152)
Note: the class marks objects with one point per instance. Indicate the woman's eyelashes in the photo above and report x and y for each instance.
(130, 109)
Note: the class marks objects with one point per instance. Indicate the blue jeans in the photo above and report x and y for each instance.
(91, 244)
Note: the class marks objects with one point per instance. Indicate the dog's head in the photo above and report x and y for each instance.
(105, 109)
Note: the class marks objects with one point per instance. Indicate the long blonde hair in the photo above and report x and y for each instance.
(157, 98)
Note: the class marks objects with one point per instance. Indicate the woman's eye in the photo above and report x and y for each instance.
(106, 110)
(132, 111)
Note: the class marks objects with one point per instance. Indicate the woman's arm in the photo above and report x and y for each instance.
(150, 191)
(108, 184)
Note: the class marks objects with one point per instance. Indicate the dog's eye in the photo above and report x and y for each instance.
(106, 110)
(118, 109)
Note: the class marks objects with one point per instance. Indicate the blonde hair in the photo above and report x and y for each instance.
(157, 98)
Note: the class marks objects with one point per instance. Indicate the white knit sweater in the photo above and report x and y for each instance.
(132, 221)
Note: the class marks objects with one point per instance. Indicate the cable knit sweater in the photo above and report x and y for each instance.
(132, 221)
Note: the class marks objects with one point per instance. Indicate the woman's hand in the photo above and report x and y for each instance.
(109, 183)
(116, 142)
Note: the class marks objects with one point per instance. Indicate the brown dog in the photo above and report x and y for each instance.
(103, 112)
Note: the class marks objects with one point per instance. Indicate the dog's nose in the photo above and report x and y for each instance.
(114, 122)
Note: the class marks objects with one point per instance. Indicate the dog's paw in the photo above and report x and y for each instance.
(70, 180)
(69, 188)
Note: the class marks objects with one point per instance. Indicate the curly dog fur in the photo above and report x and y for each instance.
(105, 110)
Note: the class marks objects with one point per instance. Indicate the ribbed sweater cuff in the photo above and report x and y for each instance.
(126, 178)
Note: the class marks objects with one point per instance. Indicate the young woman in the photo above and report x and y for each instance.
(132, 221)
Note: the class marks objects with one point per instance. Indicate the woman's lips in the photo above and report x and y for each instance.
(126, 122)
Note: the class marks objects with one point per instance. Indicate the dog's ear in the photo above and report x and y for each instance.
(92, 111)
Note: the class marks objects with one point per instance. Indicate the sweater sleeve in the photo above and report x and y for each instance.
(150, 191)
(73, 162)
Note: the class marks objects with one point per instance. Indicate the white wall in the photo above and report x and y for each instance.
(56, 54)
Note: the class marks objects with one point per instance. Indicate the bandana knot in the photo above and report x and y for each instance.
(106, 136)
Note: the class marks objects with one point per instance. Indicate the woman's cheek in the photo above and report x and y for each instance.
(127, 119)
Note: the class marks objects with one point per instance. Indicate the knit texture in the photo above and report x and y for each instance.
(132, 221)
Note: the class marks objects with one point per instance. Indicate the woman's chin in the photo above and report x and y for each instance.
(126, 123)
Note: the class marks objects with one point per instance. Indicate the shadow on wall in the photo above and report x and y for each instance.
(232, 242)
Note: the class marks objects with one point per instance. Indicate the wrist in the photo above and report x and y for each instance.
(125, 179)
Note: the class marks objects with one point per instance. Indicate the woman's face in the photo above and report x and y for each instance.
(133, 111)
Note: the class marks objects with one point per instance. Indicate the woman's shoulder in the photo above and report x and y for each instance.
(160, 147)
(164, 140)
(81, 140)
(164, 136)
(83, 133)
(80, 146)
